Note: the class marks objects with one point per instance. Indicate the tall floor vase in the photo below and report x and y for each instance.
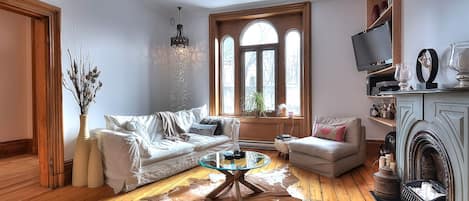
(95, 166)
(80, 158)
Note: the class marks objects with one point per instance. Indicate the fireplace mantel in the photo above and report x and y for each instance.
(444, 113)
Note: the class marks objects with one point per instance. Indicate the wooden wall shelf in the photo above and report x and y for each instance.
(386, 122)
(382, 97)
(386, 71)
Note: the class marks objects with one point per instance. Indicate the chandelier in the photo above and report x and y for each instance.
(179, 40)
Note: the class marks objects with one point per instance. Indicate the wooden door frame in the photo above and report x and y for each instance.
(47, 86)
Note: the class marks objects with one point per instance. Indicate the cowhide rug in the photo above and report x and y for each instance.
(278, 185)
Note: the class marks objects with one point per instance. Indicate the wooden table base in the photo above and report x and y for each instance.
(233, 178)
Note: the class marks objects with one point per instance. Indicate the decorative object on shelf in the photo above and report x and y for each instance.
(374, 111)
(383, 110)
(95, 166)
(459, 61)
(83, 84)
(427, 63)
(179, 40)
(403, 74)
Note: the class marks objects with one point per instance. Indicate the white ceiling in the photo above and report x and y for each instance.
(210, 4)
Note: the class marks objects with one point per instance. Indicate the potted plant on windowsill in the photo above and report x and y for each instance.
(255, 104)
(83, 83)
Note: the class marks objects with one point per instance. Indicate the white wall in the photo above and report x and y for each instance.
(16, 108)
(338, 89)
(120, 37)
(434, 24)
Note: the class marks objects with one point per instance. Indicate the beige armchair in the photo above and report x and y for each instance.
(327, 157)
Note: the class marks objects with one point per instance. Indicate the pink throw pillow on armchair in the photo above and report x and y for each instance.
(336, 133)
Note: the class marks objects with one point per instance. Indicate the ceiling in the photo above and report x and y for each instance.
(210, 4)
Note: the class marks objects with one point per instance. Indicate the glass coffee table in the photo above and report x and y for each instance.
(234, 170)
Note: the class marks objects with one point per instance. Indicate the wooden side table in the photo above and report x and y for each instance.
(281, 145)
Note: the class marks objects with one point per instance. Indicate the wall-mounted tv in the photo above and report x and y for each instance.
(373, 48)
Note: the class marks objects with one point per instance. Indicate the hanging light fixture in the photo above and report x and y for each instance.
(179, 40)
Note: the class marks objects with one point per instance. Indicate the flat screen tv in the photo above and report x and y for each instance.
(373, 48)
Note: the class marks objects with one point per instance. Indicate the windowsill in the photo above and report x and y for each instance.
(272, 118)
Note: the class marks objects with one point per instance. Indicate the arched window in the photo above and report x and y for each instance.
(293, 71)
(258, 33)
(259, 45)
(228, 75)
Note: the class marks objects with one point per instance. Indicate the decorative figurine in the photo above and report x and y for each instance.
(427, 62)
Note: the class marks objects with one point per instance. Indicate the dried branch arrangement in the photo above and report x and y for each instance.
(83, 81)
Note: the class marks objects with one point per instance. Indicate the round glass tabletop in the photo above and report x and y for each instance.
(217, 161)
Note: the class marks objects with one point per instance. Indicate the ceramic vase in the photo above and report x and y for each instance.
(81, 156)
(95, 166)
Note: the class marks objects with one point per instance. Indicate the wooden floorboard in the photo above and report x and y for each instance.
(19, 181)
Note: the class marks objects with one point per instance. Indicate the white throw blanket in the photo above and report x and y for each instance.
(171, 127)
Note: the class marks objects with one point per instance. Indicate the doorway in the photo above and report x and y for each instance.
(44, 85)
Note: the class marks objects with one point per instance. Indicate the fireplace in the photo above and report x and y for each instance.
(433, 140)
(428, 160)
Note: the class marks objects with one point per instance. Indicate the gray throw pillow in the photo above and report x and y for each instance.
(217, 122)
(203, 129)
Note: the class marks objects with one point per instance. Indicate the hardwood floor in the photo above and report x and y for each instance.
(19, 181)
(19, 178)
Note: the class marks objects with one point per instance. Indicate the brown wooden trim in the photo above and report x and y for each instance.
(304, 9)
(261, 12)
(307, 99)
(68, 165)
(396, 31)
(15, 147)
(47, 74)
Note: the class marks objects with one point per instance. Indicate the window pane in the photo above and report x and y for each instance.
(268, 76)
(228, 75)
(293, 71)
(250, 79)
(257, 33)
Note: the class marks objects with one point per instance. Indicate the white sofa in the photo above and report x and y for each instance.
(141, 156)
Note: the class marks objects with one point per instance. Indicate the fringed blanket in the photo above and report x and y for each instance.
(171, 126)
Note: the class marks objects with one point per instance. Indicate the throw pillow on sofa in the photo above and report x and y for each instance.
(217, 122)
(146, 126)
(203, 129)
(330, 132)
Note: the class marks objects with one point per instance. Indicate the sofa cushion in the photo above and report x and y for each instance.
(322, 148)
(218, 122)
(202, 142)
(200, 112)
(336, 133)
(352, 124)
(146, 126)
(203, 129)
(167, 149)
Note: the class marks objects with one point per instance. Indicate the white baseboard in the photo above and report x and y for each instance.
(266, 145)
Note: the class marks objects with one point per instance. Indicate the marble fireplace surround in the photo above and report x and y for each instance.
(439, 119)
